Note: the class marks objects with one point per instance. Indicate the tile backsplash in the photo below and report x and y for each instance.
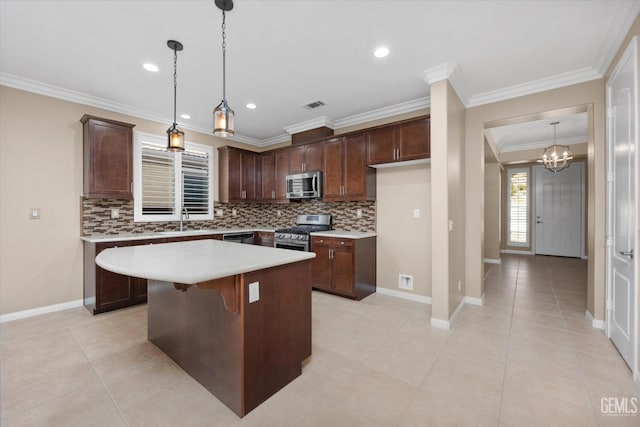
(96, 216)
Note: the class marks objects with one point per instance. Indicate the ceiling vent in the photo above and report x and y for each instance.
(314, 104)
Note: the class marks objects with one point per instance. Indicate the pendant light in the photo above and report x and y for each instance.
(175, 137)
(556, 157)
(223, 115)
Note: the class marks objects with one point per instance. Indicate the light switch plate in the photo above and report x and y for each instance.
(358, 213)
(450, 225)
(115, 213)
(416, 213)
(34, 213)
(254, 292)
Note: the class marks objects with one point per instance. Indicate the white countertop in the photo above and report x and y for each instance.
(345, 234)
(194, 261)
(163, 234)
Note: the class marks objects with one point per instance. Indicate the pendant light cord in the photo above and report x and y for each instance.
(224, 59)
(175, 83)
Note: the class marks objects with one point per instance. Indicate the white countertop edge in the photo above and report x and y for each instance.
(345, 234)
(162, 262)
(159, 235)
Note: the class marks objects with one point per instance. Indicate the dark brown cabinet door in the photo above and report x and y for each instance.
(268, 178)
(112, 290)
(382, 146)
(313, 157)
(296, 159)
(282, 170)
(235, 175)
(249, 168)
(355, 169)
(343, 278)
(108, 158)
(322, 262)
(333, 168)
(305, 158)
(414, 140)
(265, 238)
(139, 289)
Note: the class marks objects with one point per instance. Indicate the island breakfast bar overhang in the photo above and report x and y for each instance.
(199, 312)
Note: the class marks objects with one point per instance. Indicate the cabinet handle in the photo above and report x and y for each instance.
(398, 156)
(394, 154)
(273, 194)
(131, 186)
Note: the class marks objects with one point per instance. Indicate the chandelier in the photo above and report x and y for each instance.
(556, 157)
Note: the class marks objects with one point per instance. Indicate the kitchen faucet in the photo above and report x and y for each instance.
(186, 212)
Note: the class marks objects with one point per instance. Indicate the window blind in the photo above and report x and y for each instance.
(519, 208)
(195, 181)
(158, 180)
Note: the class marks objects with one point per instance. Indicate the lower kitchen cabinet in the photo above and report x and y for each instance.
(265, 238)
(105, 291)
(345, 267)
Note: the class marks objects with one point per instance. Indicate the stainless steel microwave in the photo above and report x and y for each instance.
(306, 185)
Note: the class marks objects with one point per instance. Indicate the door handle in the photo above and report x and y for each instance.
(539, 222)
(628, 253)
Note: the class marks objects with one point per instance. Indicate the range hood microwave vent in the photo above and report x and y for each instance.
(314, 104)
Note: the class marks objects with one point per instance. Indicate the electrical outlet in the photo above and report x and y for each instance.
(405, 282)
(416, 213)
(234, 212)
(358, 213)
(254, 292)
(34, 213)
(219, 212)
(279, 213)
(115, 213)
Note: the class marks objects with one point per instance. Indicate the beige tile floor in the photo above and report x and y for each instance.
(527, 357)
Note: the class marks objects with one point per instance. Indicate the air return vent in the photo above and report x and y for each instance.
(314, 104)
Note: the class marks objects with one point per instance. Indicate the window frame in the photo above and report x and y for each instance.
(161, 141)
(510, 173)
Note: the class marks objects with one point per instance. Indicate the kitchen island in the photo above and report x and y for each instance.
(236, 317)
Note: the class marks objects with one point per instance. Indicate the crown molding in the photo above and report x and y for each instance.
(609, 50)
(322, 121)
(438, 73)
(277, 139)
(384, 112)
(553, 82)
(543, 144)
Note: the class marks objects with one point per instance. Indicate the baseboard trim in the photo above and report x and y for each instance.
(40, 310)
(474, 301)
(493, 261)
(439, 323)
(514, 252)
(404, 295)
(595, 323)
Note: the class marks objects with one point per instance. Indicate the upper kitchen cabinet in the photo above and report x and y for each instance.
(237, 174)
(108, 158)
(305, 158)
(399, 142)
(346, 174)
(274, 169)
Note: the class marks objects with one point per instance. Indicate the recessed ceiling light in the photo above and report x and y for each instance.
(381, 52)
(251, 106)
(185, 116)
(150, 67)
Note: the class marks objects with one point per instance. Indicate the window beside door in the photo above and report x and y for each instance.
(518, 207)
(165, 182)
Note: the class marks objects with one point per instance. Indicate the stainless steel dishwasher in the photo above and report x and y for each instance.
(239, 237)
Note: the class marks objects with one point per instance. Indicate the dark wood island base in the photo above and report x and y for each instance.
(241, 352)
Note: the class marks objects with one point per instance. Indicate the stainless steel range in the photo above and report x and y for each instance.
(297, 238)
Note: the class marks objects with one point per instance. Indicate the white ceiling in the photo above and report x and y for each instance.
(571, 129)
(283, 54)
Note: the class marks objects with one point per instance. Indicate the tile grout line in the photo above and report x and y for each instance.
(126, 422)
(575, 352)
(506, 361)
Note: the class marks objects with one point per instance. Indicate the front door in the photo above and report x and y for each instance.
(559, 205)
(621, 194)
